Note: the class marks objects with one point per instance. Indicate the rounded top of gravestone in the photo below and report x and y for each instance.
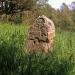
(45, 19)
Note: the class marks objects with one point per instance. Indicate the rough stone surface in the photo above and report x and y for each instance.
(41, 35)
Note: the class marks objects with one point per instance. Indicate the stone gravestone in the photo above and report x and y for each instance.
(41, 35)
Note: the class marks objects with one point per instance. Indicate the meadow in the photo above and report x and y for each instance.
(15, 61)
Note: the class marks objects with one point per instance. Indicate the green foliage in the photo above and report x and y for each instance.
(15, 61)
(63, 18)
(18, 19)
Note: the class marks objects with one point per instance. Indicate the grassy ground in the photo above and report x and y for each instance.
(65, 46)
(14, 61)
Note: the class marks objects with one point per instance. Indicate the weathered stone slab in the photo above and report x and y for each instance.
(41, 35)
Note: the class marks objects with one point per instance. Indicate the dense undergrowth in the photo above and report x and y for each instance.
(14, 60)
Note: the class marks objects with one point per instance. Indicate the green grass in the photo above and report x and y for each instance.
(65, 47)
(14, 60)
